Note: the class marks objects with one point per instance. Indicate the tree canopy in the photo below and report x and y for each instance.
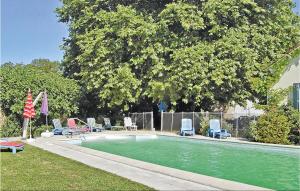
(206, 54)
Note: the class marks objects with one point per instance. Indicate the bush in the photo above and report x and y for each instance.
(227, 125)
(10, 127)
(204, 126)
(15, 79)
(272, 127)
(36, 132)
(294, 117)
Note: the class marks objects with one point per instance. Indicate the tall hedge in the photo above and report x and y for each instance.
(16, 79)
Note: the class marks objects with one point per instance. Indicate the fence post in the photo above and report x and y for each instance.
(193, 120)
(161, 120)
(237, 124)
(221, 119)
(143, 120)
(172, 122)
(152, 129)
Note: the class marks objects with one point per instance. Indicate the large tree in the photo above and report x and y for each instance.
(204, 54)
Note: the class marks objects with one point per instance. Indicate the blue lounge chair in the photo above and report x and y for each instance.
(58, 129)
(187, 127)
(215, 130)
(93, 125)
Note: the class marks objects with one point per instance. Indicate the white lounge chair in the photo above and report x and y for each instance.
(93, 125)
(128, 124)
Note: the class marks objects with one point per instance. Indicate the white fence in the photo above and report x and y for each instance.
(237, 124)
(144, 120)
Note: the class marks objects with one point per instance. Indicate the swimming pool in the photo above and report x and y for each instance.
(264, 166)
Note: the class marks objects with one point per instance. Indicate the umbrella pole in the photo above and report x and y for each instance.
(47, 120)
(30, 127)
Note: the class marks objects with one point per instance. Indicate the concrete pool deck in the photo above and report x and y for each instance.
(155, 176)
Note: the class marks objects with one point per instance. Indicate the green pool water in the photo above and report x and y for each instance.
(265, 166)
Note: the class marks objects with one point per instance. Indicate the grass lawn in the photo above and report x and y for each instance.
(36, 169)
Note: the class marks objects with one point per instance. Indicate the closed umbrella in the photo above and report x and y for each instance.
(29, 111)
(44, 108)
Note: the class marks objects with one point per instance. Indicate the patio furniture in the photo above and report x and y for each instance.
(77, 128)
(215, 130)
(93, 125)
(107, 125)
(187, 127)
(12, 145)
(128, 124)
(58, 128)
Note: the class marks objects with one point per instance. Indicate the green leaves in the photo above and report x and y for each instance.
(201, 53)
(122, 88)
(186, 15)
(16, 79)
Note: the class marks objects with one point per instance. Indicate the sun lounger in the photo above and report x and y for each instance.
(58, 128)
(93, 125)
(76, 129)
(215, 130)
(187, 127)
(12, 145)
(128, 124)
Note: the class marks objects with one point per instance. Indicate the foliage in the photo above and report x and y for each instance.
(276, 107)
(37, 169)
(37, 131)
(205, 54)
(46, 65)
(272, 127)
(11, 127)
(204, 126)
(294, 118)
(227, 125)
(2, 121)
(15, 81)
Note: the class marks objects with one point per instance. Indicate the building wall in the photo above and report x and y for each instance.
(290, 75)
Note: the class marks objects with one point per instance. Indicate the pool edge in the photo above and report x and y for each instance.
(172, 172)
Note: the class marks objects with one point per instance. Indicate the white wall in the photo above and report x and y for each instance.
(290, 75)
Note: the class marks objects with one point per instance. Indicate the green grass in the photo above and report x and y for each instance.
(36, 169)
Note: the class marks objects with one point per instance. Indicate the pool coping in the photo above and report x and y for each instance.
(214, 182)
(237, 141)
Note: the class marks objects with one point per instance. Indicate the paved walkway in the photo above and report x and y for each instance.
(152, 175)
(152, 179)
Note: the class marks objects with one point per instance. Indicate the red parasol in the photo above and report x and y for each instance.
(29, 111)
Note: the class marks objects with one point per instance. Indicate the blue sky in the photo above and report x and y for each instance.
(30, 29)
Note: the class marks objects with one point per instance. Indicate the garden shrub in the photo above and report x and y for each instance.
(272, 127)
(11, 127)
(37, 131)
(204, 126)
(226, 124)
(16, 79)
(294, 117)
